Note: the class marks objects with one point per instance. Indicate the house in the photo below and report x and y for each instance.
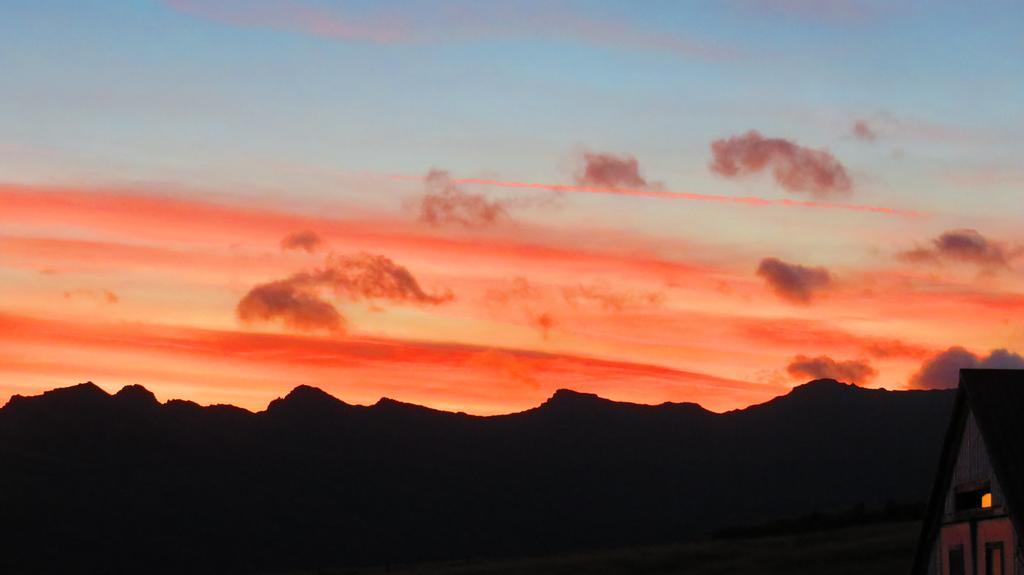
(975, 516)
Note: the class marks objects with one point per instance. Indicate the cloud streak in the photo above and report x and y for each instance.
(689, 196)
(247, 368)
(100, 296)
(294, 17)
(609, 299)
(796, 168)
(466, 22)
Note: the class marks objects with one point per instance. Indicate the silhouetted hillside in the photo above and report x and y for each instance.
(92, 482)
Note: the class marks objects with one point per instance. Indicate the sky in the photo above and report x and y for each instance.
(469, 205)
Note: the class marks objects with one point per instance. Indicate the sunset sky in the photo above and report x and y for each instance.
(468, 207)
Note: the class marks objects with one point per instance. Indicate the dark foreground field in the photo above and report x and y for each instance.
(877, 549)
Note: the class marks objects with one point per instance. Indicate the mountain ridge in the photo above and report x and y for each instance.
(309, 396)
(117, 480)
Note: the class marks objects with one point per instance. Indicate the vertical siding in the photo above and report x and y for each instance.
(972, 464)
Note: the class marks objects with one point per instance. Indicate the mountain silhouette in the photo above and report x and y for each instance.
(98, 483)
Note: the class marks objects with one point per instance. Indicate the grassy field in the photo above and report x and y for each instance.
(877, 549)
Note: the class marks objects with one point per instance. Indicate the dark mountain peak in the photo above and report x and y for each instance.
(136, 395)
(82, 393)
(815, 395)
(305, 398)
(83, 398)
(686, 407)
(823, 387)
(388, 405)
(388, 402)
(81, 390)
(571, 394)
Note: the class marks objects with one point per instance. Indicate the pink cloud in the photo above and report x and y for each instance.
(943, 370)
(796, 168)
(610, 171)
(298, 300)
(862, 130)
(824, 367)
(792, 282)
(839, 11)
(445, 202)
(466, 21)
(963, 245)
(292, 301)
(306, 240)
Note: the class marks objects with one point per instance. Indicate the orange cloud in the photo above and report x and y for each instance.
(252, 368)
(608, 298)
(102, 296)
(190, 231)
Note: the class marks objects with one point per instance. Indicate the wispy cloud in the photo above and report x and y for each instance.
(253, 368)
(295, 17)
(608, 298)
(833, 11)
(463, 21)
(99, 296)
(444, 202)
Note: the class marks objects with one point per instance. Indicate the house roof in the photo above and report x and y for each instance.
(996, 398)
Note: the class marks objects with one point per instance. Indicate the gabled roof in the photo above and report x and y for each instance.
(996, 398)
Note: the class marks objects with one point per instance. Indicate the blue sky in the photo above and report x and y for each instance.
(329, 113)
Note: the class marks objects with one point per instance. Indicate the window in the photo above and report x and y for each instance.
(975, 495)
(956, 560)
(994, 558)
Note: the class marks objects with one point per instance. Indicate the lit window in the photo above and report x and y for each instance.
(986, 500)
